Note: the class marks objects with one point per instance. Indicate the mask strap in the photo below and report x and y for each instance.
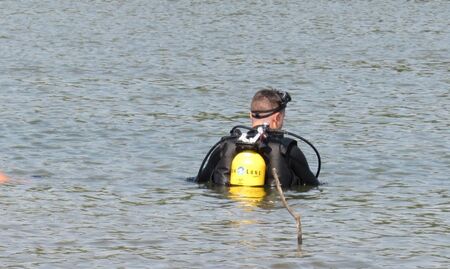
(266, 113)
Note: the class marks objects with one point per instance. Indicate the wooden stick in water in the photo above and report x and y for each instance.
(291, 211)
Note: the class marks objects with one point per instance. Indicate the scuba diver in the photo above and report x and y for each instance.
(252, 155)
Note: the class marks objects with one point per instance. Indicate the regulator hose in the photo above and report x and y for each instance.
(207, 157)
(319, 162)
(232, 132)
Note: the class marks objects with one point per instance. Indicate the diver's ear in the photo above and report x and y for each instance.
(279, 119)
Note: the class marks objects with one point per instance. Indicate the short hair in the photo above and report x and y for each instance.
(266, 99)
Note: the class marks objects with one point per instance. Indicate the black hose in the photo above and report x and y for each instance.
(312, 146)
(215, 146)
(206, 158)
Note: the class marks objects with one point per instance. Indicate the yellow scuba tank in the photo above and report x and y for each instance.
(248, 168)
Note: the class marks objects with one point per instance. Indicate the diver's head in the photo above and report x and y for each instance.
(269, 106)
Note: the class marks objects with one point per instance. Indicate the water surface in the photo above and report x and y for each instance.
(108, 106)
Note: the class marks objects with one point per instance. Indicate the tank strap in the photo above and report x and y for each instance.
(286, 144)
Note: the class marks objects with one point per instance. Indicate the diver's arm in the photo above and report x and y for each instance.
(301, 167)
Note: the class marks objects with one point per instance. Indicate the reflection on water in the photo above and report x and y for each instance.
(261, 197)
(247, 195)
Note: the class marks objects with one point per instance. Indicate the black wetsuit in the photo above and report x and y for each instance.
(280, 152)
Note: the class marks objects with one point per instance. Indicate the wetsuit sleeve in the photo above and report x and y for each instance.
(301, 168)
(206, 174)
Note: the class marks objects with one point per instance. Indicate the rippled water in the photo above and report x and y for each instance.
(108, 106)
